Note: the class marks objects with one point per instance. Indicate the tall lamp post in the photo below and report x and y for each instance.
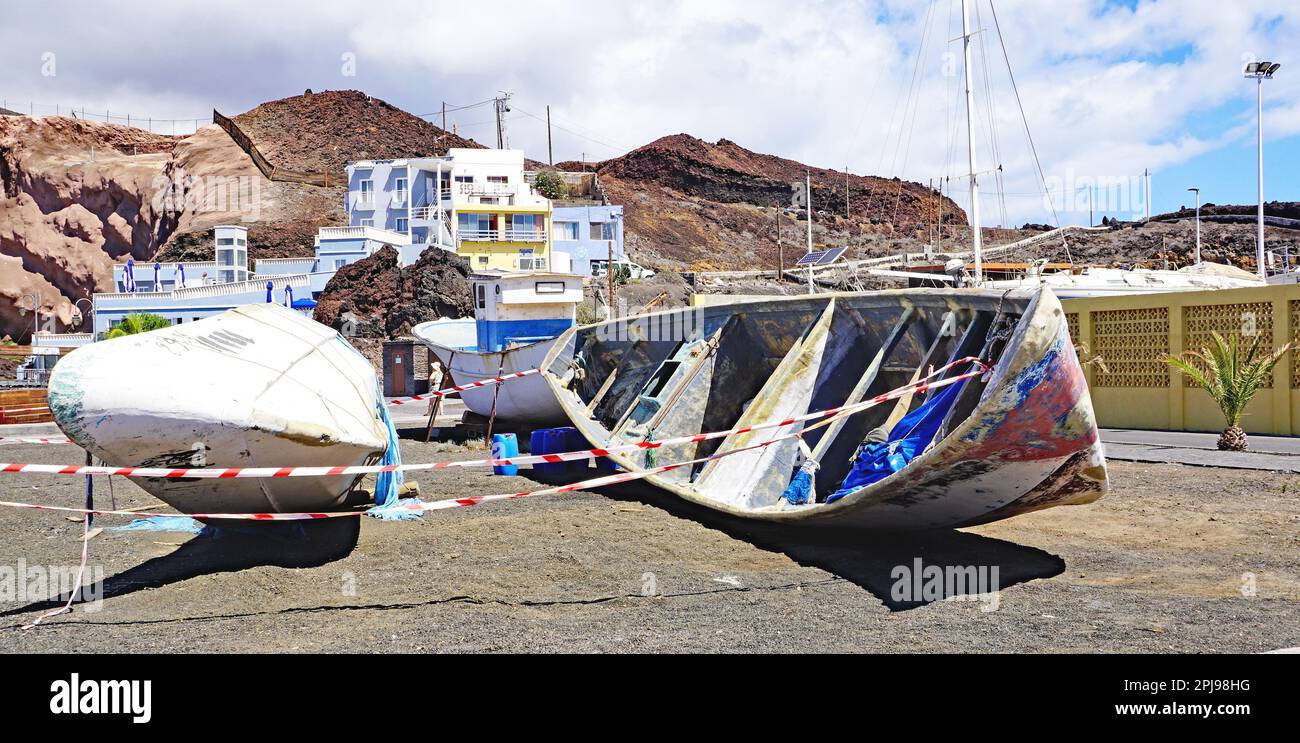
(1260, 71)
(36, 312)
(1197, 191)
(81, 324)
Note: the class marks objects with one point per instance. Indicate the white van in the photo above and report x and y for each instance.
(600, 269)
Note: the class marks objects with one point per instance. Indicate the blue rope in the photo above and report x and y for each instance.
(387, 484)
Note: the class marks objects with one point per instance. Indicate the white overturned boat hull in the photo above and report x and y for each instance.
(527, 400)
(257, 386)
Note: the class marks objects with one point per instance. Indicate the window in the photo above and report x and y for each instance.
(241, 241)
(476, 226)
(479, 292)
(402, 223)
(566, 230)
(524, 226)
(549, 287)
(483, 260)
(602, 231)
(488, 200)
(464, 179)
(498, 179)
(225, 241)
(399, 190)
(367, 223)
(367, 191)
(340, 263)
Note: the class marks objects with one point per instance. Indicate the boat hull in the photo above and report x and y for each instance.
(525, 401)
(1029, 440)
(258, 386)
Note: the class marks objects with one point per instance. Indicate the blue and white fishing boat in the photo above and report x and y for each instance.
(517, 316)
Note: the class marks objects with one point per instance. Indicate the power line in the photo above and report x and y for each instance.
(615, 148)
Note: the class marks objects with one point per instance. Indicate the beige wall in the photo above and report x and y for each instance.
(1133, 334)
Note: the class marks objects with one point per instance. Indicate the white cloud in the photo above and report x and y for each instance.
(1107, 90)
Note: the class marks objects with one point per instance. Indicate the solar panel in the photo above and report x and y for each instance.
(821, 257)
(811, 258)
(830, 256)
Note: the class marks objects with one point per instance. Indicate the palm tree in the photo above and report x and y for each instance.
(1231, 377)
(138, 322)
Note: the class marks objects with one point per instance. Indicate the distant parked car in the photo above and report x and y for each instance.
(600, 269)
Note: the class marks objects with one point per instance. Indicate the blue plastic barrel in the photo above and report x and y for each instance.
(575, 441)
(505, 446)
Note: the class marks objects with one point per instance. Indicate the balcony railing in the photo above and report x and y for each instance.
(372, 233)
(487, 189)
(504, 236)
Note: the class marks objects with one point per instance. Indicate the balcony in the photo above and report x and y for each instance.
(486, 189)
(370, 233)
(503, 236)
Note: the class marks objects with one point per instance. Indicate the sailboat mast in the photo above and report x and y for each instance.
(976, 238)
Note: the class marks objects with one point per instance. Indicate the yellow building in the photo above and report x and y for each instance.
(514, 237)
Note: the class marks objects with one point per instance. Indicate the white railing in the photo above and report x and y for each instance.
(373, 233)
(283, 261)
(62, 340)
(297, 281)
(505, 236)
(487, 189)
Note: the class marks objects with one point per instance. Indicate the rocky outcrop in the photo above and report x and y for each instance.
(323, 131)
(699, 205)
(79, 196)
(377, 298)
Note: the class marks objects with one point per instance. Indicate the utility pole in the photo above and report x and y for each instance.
(444, 116)
(780, 249)
(609, 269)
(550, 153)
(1146, 174)
(846, 192)
(1197, 191)
(977, 240)
(503, 108)
(810, 220)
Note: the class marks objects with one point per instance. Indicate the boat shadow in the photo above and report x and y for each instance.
(884, 563)
(226, 548)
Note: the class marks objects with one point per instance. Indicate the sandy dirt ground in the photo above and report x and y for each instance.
(1175, 559)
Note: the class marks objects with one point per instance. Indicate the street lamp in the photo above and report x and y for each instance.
(1260, 71)
(1197, 191)
(81, 316)
(36, 312)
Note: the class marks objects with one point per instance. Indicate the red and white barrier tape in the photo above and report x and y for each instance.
(921, 385)
(33, 440)
(471, 386)
(418, 506)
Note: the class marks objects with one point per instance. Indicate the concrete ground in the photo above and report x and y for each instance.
(1271, 453)
(1174, 559)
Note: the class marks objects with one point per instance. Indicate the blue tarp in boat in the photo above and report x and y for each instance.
(909, 437)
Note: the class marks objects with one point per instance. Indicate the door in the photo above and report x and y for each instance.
(395, 373)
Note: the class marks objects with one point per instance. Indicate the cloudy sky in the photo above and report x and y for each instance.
(1108, 88)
